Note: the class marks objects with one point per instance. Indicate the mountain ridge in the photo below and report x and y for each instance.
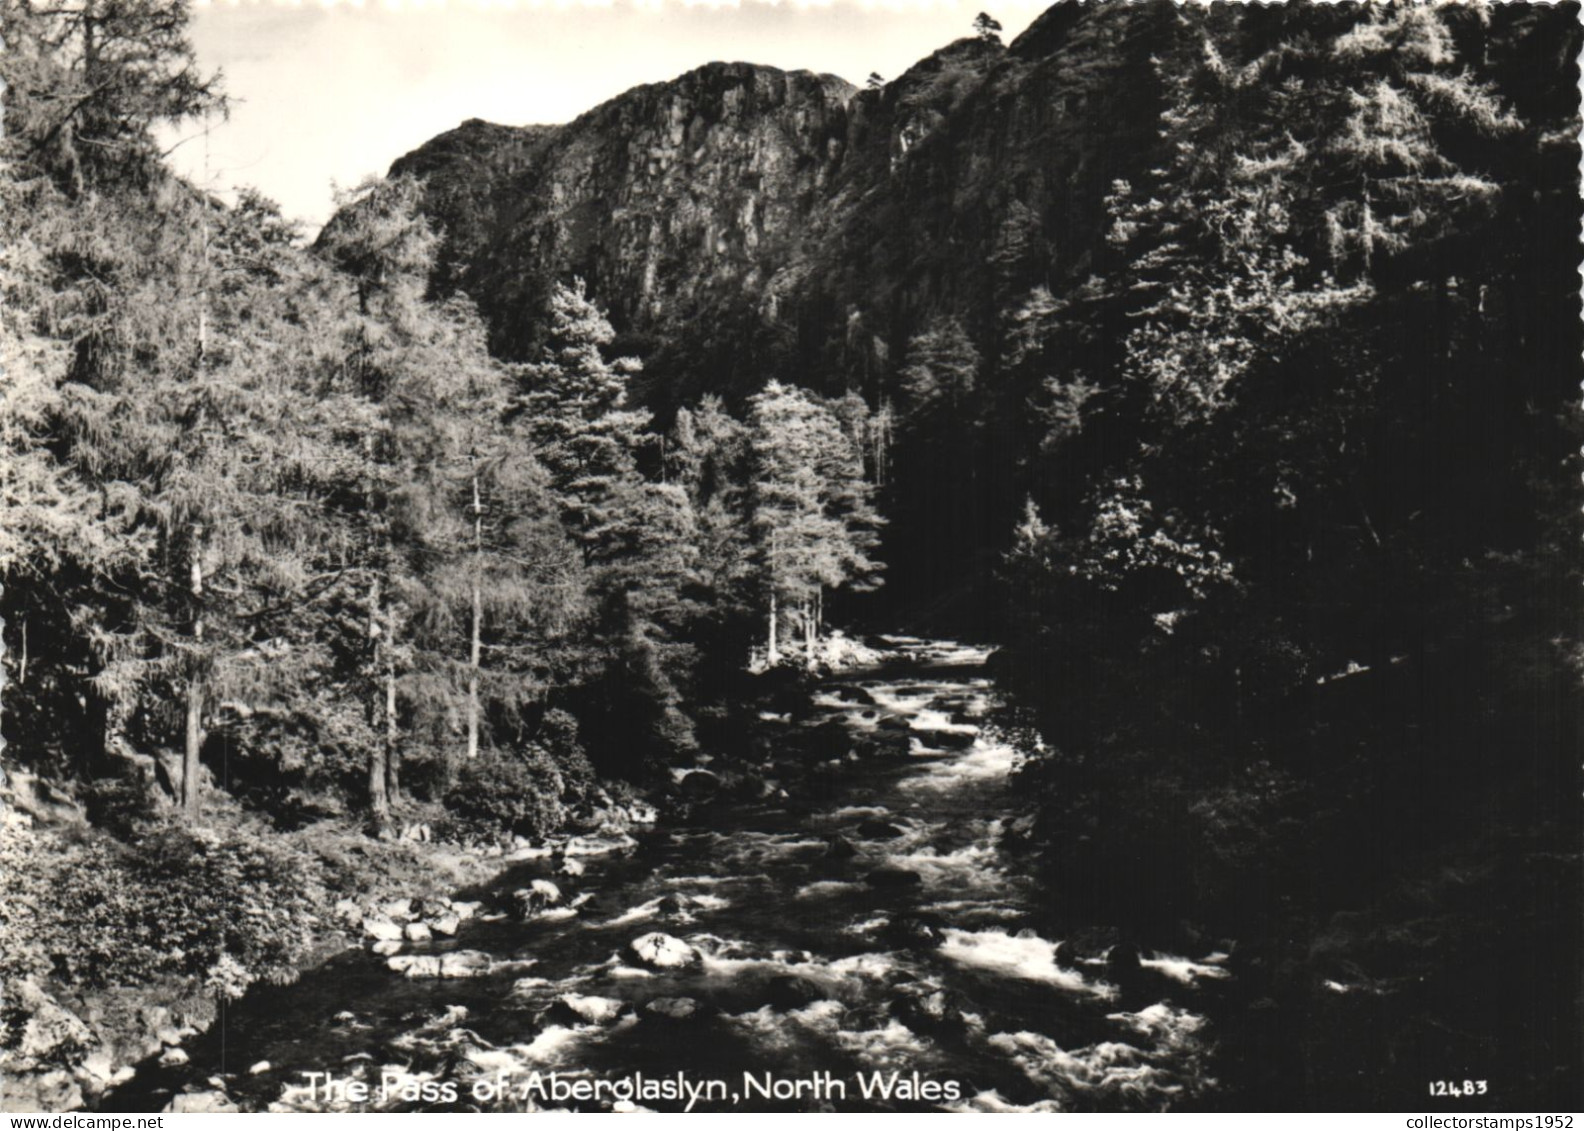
(742, 222)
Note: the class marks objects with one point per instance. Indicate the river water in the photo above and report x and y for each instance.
(856, 941)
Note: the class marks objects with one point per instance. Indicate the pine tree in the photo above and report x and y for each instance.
(987, 28)
(492, 565)
(393, 349)
(85, 82)
(813, 522)
(572, 405)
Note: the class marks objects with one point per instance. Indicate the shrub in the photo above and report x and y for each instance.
(505, 793)
(24, 860)
(220, 906)
(559, 734)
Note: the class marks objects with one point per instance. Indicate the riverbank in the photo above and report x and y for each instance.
(97, 982)
(68, 1043)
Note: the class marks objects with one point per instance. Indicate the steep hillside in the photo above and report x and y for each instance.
(742, 222)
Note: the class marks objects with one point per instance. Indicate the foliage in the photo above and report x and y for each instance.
(506, 793)
(231, 907)
(1290, 575)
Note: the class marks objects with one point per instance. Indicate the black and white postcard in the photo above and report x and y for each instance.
(765, 557)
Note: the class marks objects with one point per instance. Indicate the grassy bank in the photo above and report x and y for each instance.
(119, 941)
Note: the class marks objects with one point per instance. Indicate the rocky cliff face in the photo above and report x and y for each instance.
(741, 222)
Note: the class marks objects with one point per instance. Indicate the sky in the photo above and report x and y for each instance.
(329, 91)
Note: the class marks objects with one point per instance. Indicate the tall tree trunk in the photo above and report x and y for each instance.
(392, 743)
(774, 654)
(379, 754)
(195, 686)
(808, 631)
(2, 686)
(474, 646)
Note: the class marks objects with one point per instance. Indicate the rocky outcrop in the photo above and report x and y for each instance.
(741, 221)
(69, 1049)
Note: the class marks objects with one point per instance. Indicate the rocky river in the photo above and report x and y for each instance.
(857, 938)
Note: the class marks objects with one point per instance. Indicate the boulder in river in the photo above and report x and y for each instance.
(838, 847)
(417, 932)
(830, 739)
(889, 877)
(401, 910)
(536, 897)
(700, 785)
(415, 965)
(676, 904)
(386, 947)
(585, 1009)
(661, 951)
(381, 927)
(1122, 960)
(791, 991)
(446, 924)
(673, 1008)
(201, 1103)
(465, 964)
(599, 845)
(876, 829)
(890, 742)
(930, 1009)
(945, 739)
(1018, 833)
(918, 930)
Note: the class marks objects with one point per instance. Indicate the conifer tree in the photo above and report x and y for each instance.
(572, 405)
(813, 522)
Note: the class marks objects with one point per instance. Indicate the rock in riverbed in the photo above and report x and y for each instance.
(930, 1009)
(457, 964)
(382, 928)
(893, 878)
(673, 1008)
(539, 896)
(945, 739)
(876, 829)
(465, 964)
(700, 785)
(401, 910)
(789, 991)
(201, 1103)
(661, 951)
(915, 931)
(586, 1009)
(838, 847)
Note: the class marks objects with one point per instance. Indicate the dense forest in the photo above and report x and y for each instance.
(1219, 365)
